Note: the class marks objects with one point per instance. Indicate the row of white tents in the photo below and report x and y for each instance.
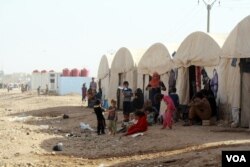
(228, 54)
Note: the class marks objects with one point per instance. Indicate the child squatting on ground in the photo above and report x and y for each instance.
(100, 118)
(112, 117)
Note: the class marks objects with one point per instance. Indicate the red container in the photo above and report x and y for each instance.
(43, 71)
(35, 71)
(84, 72)
(75, 72)
(66, 72)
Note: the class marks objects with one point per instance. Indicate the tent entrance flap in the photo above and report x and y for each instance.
(143, 84)
(121, 79)
(145, 79)
(245, 94)
(100, 83)
(194, 80)
(192, 87)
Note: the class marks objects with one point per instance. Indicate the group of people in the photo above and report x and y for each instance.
(138, 115)
(91, 94)
(46, 90)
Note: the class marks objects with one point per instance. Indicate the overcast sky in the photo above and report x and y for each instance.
(55, 34)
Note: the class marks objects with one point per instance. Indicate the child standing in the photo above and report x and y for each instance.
(100, 118)
(127, 93)
(174, 96)
(168, 116)
(112, 117)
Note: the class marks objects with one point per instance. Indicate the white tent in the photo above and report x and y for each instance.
(155, 59)
(197, 49)
(235, 92)
(104, 74)
(124, 68)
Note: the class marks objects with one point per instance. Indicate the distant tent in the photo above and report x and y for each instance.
(104, 74)
(234, 70)
(123, 68)
(199, 49)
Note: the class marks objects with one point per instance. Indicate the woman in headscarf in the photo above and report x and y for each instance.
(168, 116)
(155, 87)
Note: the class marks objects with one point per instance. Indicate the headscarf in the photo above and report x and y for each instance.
(169, 102)
(155, 81)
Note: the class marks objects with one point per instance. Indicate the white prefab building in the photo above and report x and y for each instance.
(123, 68)
(235, 74)
(72, 85)
(103, 75)
(43, 79)
(199, 49)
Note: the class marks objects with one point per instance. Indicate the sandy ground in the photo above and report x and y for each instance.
(30, 126)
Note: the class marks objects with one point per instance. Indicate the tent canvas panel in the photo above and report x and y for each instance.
(115, 83)
(155, 59)
(237, 44)
(229, 87)
(124, 62)
(104, 85)
(245, 102)
(182, 85)
(198, 49)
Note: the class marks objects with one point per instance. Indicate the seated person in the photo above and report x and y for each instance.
(150, 115)
(151, 112)
(125, 125)
(138, 101)
(140, 126)
(208, 93)
(199, 108)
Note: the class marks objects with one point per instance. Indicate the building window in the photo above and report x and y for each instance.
(52, 80)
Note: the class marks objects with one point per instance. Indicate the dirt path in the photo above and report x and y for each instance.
(30, 126)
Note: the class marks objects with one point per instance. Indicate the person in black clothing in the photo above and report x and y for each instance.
(138, 101)
(208, 93)
(98, 95)
(100, 118)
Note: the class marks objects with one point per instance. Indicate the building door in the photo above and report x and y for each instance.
(52, 82)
